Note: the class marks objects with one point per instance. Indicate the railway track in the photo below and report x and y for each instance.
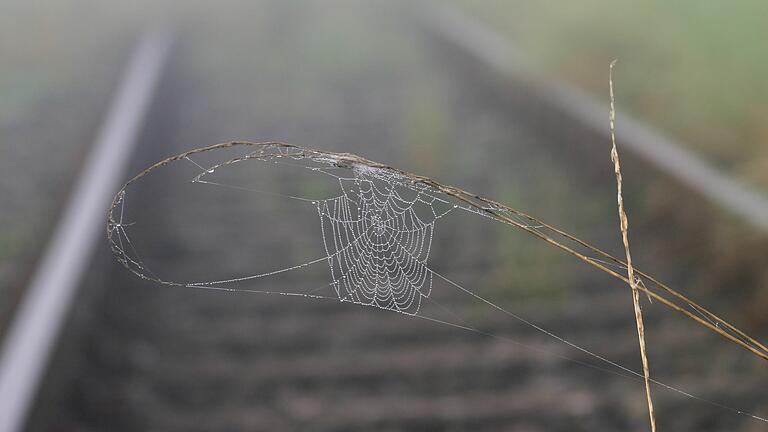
(143, 357)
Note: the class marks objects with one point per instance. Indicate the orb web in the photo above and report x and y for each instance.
(378, 239)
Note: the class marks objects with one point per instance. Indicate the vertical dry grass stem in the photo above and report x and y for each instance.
(624, 224)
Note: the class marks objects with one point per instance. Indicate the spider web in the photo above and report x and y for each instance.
(377, 235)
(378, 244)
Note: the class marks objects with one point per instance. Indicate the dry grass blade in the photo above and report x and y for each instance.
(553, 236)
(624, 224)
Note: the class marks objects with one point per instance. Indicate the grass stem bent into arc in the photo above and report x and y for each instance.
(468, 201)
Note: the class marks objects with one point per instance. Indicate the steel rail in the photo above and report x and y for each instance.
(499, 55)
(38, 320)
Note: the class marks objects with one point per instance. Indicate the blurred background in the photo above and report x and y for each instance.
(397, 82)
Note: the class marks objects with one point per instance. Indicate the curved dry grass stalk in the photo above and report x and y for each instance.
(553, 236)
